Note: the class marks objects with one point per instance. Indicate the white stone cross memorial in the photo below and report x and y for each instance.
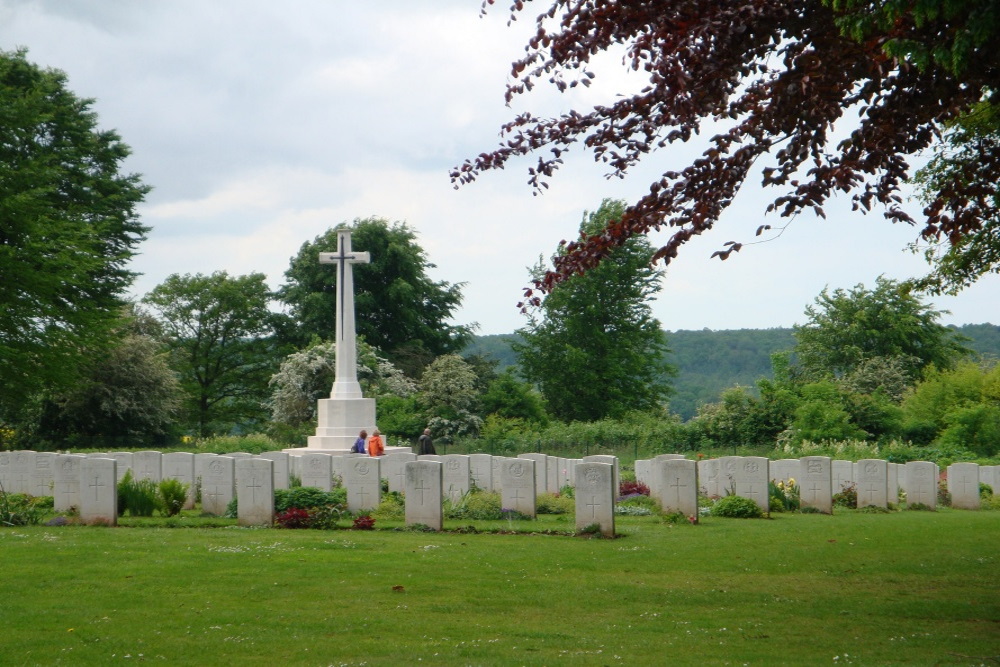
(342, 416)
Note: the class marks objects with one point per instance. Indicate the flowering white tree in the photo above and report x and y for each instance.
(307, 375)
(448, 391)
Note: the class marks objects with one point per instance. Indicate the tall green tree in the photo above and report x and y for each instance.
(128, 391)
(398, 308)
(771, 79)
(847, 328)
(219, 330)
(593, 347)
(68, 228)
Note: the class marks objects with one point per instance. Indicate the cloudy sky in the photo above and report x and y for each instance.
(261, 124)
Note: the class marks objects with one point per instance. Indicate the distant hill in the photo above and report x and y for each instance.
(710, 361)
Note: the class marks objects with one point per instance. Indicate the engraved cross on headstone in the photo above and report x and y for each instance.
(345, 384)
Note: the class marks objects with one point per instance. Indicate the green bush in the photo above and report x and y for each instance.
(736, 507)
(483, 506)
(307, 497)
(19, 509)
(642, 501)
(847, 496)
(172, 496)
(391, 508)
(138, 497)
(550, 503)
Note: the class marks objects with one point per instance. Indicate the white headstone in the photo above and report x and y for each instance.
(843, 475)
(644, 472)
(921, 483)
(895, 472)
(708, 477)
(784, 470)
(21, 469)
(815, 482)
(282, 470)
(457, 476)
(677, 481)
(317, 471)
(728, 465)
(424, 493)
(495, 465)
(752, 480)
(990, 476)
(595, 496)
(481, 468)
(147, 465)
(218, 483)
(180, 466)
(613, 461)
(517, 481)
(124, 460)
(254, 492)
(963, 485)
(43, 474)
(5, 471)
(363, 482)
(541, 470)
(552, 474)
(393, 469)
(66, 492)
(873, 483)
(99, 491)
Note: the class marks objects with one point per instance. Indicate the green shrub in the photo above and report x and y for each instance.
(172, 496)
(847, 496)
(550, 503)
(639, 500)
(481, 506)
(138, 497)
(391, 508)
(307, 497)
(784, 496)
(632, 510)
(985, 491)
(19, 509)
(943, 494)
(737, 507)
(873, 509)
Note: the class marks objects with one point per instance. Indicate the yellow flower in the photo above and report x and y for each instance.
(791, 481)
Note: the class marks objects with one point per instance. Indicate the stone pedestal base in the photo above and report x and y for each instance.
(340, 421)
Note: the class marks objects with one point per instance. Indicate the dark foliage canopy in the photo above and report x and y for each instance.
(68, 228)
(780, 73)
(399, 309)
(594, 348)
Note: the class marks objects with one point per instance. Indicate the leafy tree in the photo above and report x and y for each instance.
(957, 407)
(68, 228)
(399, 309)
(511, 398)
(593, 347)
(129, 390)
(781, 74)
(849, 327)
(307, 376)
(218, 328)
(822, 415)
(450, 398)
(969, 154)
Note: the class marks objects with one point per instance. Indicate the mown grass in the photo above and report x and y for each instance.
(908, 588)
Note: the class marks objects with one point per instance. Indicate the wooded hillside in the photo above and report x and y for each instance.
(710, 361)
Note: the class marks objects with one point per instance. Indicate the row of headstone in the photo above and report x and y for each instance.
(819, 478)
(426, 482)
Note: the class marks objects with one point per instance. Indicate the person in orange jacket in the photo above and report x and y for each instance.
(375, 445)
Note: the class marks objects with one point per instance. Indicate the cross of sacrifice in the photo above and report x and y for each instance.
(346, 383)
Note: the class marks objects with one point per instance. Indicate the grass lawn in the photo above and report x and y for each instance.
(907, 588)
